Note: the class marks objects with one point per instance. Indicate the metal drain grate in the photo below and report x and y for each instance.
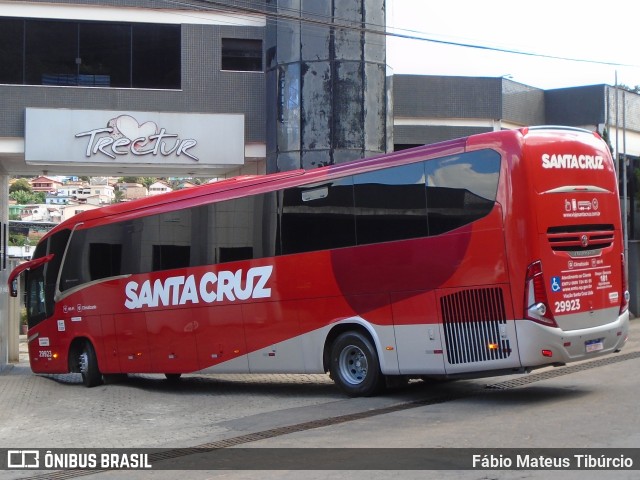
(560, 371)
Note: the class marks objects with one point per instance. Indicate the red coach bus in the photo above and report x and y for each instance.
(495, 253)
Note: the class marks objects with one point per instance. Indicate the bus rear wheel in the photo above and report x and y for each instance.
(88, 366)
(355, 367)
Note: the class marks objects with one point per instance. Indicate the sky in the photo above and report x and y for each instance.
(605, 32)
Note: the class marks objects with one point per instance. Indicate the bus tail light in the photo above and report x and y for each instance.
(624, 304)
(535, 297)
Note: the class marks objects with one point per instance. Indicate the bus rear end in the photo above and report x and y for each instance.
(575, 297)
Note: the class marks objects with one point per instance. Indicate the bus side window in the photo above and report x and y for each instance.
(104, 260)
(391, 204)
(460, 189)
(318, 217)
(233, 229)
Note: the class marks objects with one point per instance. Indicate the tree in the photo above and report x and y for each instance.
(148, 181)
(131, 179)
(26, 198)
(17, 239)
(20, 185)
(635, 89)
(607, 140)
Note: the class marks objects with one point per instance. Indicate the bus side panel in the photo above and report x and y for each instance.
(133, 348)
(295, 342)
(419, 344)
(107, 350)
(478, 329)
(376, 311)
(220, 339)
(93, 328)
(48, 350)
(266, 326)
(172, 341)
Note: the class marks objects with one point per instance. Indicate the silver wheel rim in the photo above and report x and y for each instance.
(353, 365)
(84, 363)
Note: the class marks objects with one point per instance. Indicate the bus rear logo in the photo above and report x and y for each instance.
(584, 240)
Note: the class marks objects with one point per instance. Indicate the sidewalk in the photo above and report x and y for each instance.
(23, 351)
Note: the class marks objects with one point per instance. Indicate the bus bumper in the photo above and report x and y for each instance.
(542, 345)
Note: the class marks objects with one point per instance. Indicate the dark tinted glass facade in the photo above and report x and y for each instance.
(399, 203)
(91, 54)
(239, 54)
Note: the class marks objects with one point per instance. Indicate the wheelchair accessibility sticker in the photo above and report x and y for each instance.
(556, 284)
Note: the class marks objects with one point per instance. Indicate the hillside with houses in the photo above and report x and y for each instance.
(37, 204)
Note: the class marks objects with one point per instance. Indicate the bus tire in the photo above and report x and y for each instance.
(172, 377)
(88, 366)
(355, 367)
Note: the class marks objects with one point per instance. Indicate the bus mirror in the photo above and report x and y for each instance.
(15, 274)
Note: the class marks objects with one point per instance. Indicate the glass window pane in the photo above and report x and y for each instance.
(104, 260)
(156, 56)
(240, 54)
(93, 254)
(233, 230)
(318, 217)
(51, 49)
(11, 58)
(391, 204)
(168, 257)
(165, 241)
(105, 55)
(461, 189)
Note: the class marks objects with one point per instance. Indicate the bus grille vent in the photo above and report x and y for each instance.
(475, 326)
(581, 239)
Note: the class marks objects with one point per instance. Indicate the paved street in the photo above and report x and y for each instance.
(592, 404)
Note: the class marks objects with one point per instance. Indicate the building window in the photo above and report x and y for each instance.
(90, 54)
(156, 56)
(243, 55)
(11, 38)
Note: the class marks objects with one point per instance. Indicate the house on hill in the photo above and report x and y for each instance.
(45, 184)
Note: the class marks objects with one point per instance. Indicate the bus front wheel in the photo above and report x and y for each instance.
(355, 367)
(88, 366)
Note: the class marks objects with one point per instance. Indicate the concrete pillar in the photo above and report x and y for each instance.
(327, 84)
(4, 273)
(633, 264)
(13, 315)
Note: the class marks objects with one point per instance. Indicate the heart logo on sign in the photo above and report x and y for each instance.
(130, 128)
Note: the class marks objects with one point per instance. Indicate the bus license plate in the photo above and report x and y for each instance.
(594, 345)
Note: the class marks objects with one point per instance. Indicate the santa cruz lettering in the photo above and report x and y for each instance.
(208, 288)
(585, 162)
